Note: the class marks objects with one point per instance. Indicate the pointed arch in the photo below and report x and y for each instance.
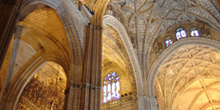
(70, 17)
(113, 22)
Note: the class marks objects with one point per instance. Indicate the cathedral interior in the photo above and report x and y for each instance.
(110, 54)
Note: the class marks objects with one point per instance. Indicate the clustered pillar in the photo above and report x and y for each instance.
(91, 80)
(85, 94)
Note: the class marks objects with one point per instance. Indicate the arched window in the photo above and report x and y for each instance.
(194, 32)
(168, 41)
(111, 88)
(180, 33)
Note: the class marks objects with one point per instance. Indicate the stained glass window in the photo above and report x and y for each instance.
(111, 88)
(168, 41)
(180, 33)
(194, 32)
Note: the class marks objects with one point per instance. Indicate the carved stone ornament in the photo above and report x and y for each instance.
(158, 48)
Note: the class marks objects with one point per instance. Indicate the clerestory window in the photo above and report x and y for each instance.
(194, 32)
(168, 41)
(180, 33)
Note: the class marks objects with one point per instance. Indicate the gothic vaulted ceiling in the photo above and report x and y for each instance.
(190, 80)
(146, 19)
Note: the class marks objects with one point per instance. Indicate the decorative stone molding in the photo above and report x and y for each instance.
(86, 12)
(113, 22)
(168, 52)
(204, 31)
(96, 27)
(145, 21)
(159, 45)
(26, 72)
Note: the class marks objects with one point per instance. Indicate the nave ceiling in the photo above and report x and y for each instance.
(145, 20)
(189, 80)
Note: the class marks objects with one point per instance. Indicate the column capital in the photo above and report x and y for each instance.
(96, 27)
(152, 99)
(142, 97)
(152, 103)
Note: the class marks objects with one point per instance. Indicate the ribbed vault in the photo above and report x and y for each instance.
(145, 20)
(189, 79)
(41, 33)
(39, 38)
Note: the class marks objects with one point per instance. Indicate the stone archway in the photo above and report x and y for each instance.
(128, 48)
(36, 42)
(165, 57)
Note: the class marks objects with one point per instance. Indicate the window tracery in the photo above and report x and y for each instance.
(168, 41)
(111, 88)
(194, 32)
(180, 33)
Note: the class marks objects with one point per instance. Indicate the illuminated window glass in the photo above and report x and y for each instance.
(119, 18)
(168, 41)
(180, 33)
(194, 32)
(111, 88)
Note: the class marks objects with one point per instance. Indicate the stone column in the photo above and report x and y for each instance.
(98, 69)
(152, 103)
(91, 80)
(9, 14)
(142, 100)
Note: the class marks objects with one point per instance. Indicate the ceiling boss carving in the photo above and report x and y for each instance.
(145, 20)
(190, 76)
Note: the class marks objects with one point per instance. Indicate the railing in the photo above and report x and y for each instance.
(127, 100)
